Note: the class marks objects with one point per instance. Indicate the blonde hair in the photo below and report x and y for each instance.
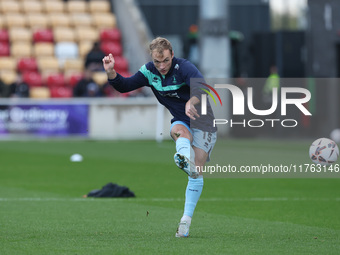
(160, 44)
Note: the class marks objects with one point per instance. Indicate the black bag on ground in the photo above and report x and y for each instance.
(111, 190)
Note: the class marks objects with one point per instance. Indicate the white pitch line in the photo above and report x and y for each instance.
(226, 199)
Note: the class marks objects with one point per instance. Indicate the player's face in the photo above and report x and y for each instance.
(162, 61)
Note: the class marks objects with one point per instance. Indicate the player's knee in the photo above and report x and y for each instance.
(181, 132)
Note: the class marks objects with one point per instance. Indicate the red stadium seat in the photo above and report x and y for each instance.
(33, 79)
(4, 37)
(55, 80)
(110, 34)
(27, 64)
(111, 47)
(61, 92)
(125, 74)
(121, 64)
(4, 49)
(43, 35)
(73, 79)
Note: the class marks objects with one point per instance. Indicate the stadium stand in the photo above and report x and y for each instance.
(4, 37)
(99, 7)
(33, 79)
(53, 6)
(111, 47)
(8, 63)
(2, 22)
(65, 50)
(72, 77)
(10, 6)
(112, 35)
(75, 6)
(84, 48)
(63, 34)
(14, 20)
(104, 20)
(59, 20)
(65, 92)
(37, 21)
(46, 41)
(81, 19)
(8, 77)
(40, 92)
(43, 35)
(21, 49)
(41, 48)
(48, 64)
(74, 65)
(88, 34)
(55, 80)
(32, 6)
(27, 64)
(4, 49)
(122, 64)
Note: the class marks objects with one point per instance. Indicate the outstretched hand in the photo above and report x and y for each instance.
(109, 63)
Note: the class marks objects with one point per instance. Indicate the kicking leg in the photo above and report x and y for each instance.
(192, 195)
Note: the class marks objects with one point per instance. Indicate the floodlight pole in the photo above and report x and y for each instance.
(215, 48)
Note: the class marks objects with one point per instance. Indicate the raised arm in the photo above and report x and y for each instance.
(109, 64)
(119, 82)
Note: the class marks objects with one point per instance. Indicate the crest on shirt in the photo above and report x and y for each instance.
(174, 81)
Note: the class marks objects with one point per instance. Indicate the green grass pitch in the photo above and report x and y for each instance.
(42, 210)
